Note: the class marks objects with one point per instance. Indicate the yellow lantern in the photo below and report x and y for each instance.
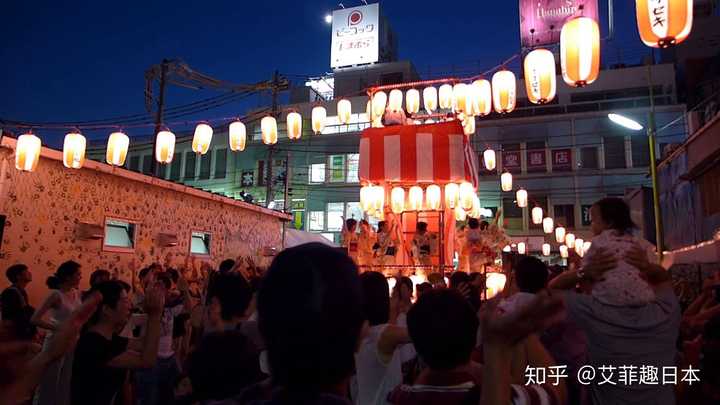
(476, 210)
(164, 146)
(504, 91)
(546, 249)
(548, 225)
(319, 114)
(522, 198)
(564, 251)
(27, 152)
(537, 215)
(521, 248)
(378, 198)
(579, 244)
(415, 198)
(540, 80)
(445, 96)
(586, 246)
(294, 125)
(663, 23)
(268, 126)
(430, 99)
(74, 150)
(559, 234)
(489, 159)
(379, 100)
(395, 100)
(506, 182)
(452, 191)
(507, 249)
(237, 135)
(466, 194)
(494, 284)
(433, 197)
(460, 214)
(570, 240)
(117, 148)
(366, 198)
(460, 98)
(202, 138)
(580, 51)
(412, 101)
(469, 125)
(397, 200)
(344, 111)
(480, 97)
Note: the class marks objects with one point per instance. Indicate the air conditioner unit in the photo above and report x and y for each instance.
(87, 231)
(167, 239)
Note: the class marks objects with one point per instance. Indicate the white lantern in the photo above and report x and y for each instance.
(548, 225)
(366, 198)
(537, 215)
(579, 244)
(268, 126)
(563, 251)
(580, 51)
(452, 191)
(319, 114)
(433, 197)
(466, 195)
(415, 198)
(202, 138)
(164, 146)
(507, 249)
(412, 101)
(586, 246)
(430, 99)
(546, 249)
(74, 150)
(395, 100)
(521, 248)
(294, 125)
(344, 111)
(494, 284)
(379, 100)
(397, 200)
(506, 182)
(460, 214)
(540, 80)
(237, 134)
(570, 240)
(504, 91)
(460, 98)
(378, 198)
(480, 98)
(469, 125)
(27, 152)
(663, 23)
(445, 96)
(476, 210)
(522, 198)
(560, 234)
(117, 148)
(489, 159)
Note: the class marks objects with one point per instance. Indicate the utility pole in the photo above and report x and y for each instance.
(159, 115)
(286, 206)
(659, 234)
(271, 150)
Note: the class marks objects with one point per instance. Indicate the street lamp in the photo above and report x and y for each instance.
(626, 122)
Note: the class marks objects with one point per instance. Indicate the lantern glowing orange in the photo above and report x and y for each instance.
(202, 138)
(237, 136)
(268, 127)
(564, 251)
(452, 191)
(294, 125)
(27, 152)
(480, 97)
(415, 198)
(379, 100)
(663, 23)
(430, 99)
(548, 225)
(117, 148)
(469, 125)
(319, 114)
(504, 91)
(366, 198)
(586, 246)
(466, 195)
(521, 248)
(522, 198)
(74, 150)
(560, 234)
(494, 284)
(460, 98)
(412, 101)
(546, 249)
(540, 80)
(395, 100)
(433, 197)
(164, 146)
(476, 210)
(378, 198)
(579, 244)
(506, 182)
(445, 96)
(460, 214)
(344, 111)
(507, 249)
(537, 215)
(570, 240)
(397, 200)
(580, 51)
(489, 159)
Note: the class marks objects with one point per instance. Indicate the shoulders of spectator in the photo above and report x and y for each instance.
(532, 395)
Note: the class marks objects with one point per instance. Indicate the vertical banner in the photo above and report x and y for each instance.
(542, 20)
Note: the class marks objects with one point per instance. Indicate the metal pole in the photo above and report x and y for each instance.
(653, 168)
(269, 190)
(285, 204)
(441, 242)
(159, 115)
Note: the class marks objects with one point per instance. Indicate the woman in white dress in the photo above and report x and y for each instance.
(59, 305)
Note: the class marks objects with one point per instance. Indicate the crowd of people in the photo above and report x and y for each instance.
(315, 329)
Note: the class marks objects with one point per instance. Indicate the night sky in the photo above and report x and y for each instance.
(86, 60)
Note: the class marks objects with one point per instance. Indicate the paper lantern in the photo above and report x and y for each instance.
(452, 191)
(27, 152)
(504, 91)
(570, 240)
(476, 209)
(460, 214)
(521, 248)
(537, 215)
(164, 146)
(202, 138)
(663, 23)
(506, 182)
(579, 243)
(445, 96)
(494, 284)
(489, 159)
(460, 96)
(466, 195)
(237, 135)
(74, 150)
(117, 148)
(480, 97)
(560, 234)
(546, 249)
(344, 110)
(379, 100)
(366, 198)
(580, 51)
(412, 101)
(397, 200)
(430, 99)
(319, 114)
(540, 80)
(415, 198)
(507, 249)
(268, 127)
(564, 251)
(433, 197)
(378, 198)
(469, 125)
(548, 225)
(522, 198)
(395, 100)
(586, 246)
(294, 125)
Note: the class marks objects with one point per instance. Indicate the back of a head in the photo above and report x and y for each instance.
(458, 277)
(710, 360)
(350, 224)
(422, 226)
(99, 276)
(13, 272)
(443, 315)
(226, 265)
(473, 223)
(436, 279)
(423, 288)
(111, 292)
(616, 213)
(484, 225)
(531, 274)
(310, 315)
(62, 274)
(376, 297)
(233, 293)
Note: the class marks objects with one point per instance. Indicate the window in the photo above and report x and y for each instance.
(317, 220)
(354, 211)
(589, 158)
(353, 165)
(710, 191)
(205, 162)
(220, 163)
(337, 168)
(175, 168)
(565, 216)
(119, 235)
(147, 164)
(335, 216)
(200, 243)
(513, 215)
(134, 163)
(614, 152)
(329, 236)
(317, 173)
(190, 165)
(640, 151)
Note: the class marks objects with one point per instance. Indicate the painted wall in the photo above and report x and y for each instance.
(43, 209)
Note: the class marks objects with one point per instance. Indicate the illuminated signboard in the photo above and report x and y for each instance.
(355, 36)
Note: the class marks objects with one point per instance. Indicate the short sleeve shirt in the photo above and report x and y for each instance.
(93, 381)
